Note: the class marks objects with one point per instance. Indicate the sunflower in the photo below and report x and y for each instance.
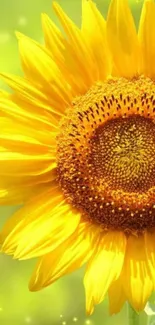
(77, 150)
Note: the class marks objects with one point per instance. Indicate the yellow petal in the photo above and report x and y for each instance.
(46, 221)
(136, 277)
(23, 153)
(23, 164)
(53, 38)
(28, 92)
(27, 148)
(27, 159)
(149, 237)
(12, 107)
(146, 35)
(16, 189)
(94, 31)
(43, 71)
(78, 46)
(104, 267)
(3, 93)
(15, 195)
(21, 137)
(18, 217)
(62, 53)
(117, 296)
(122, 38)
(66, 258)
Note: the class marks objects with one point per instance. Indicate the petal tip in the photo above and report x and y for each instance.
(19, 35)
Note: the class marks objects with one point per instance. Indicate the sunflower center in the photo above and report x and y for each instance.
(122, 153)
(106, 151)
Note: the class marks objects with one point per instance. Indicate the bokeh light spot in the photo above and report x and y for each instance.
(4, 37)
(22, 21)
(75, 319)
(28, 320)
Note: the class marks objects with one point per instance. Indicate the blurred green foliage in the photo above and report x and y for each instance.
(63, 303)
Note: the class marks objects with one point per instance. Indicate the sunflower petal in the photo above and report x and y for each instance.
(24, 141)
(79, 48)
(22, 145)
(47, 221)
(122, 38)
(136, 276)
(24, 162)
(149, 238)
(94, 31)
(146, 35)
(62, 53)
(104, 267)
(11, 195)
(66, 258)
(11, 223)
(17, 110)
(24, 138)
(117, 296)
(27, 91)
(53, 38)
(44, 72)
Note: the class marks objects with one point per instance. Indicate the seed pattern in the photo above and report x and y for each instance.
(122, 153)
(105, 154)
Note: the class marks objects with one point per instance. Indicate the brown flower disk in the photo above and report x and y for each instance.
(106, 151)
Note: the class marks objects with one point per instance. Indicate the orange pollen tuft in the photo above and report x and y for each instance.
(106, 154)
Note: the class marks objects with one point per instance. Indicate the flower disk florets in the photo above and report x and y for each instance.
(106, 165)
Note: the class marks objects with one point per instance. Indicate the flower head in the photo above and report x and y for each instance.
(77, 147)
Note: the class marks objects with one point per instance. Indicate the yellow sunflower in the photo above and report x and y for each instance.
(77, 147)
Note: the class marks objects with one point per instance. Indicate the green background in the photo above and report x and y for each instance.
(63, 303)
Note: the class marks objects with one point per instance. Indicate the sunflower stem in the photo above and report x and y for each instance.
(133, 317)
